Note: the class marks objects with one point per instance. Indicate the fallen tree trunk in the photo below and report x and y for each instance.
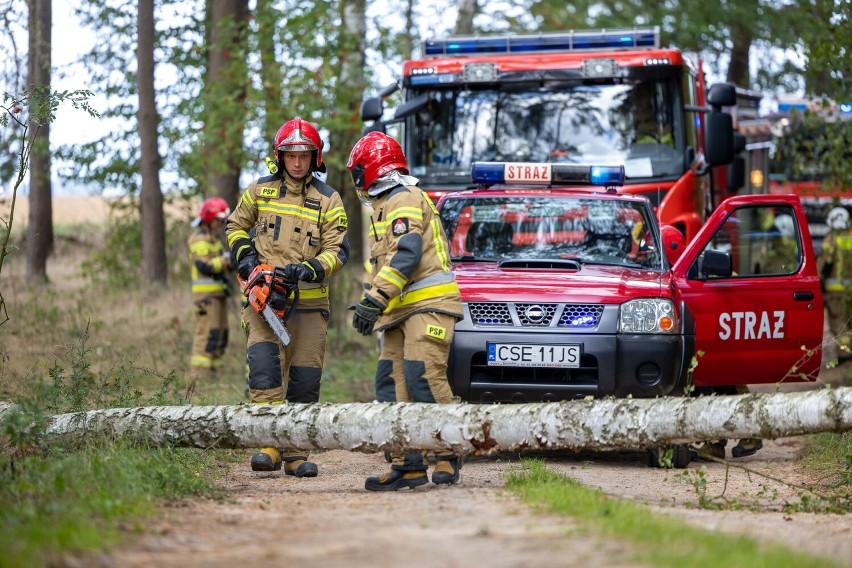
(606, 424)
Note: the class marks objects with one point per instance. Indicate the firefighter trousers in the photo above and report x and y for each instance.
(838, 305)
(211, 335)
(412, 367)
(292, 373)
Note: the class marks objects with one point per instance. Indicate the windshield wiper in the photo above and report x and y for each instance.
(472, 258)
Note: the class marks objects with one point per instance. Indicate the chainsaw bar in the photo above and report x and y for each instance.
(277, 325)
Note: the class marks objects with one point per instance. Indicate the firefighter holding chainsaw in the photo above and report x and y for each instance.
(210, 264)
(413, 298)
(300, 242)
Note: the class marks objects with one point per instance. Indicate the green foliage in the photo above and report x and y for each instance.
(830, 455)
(816, 148)
(659, 540)
(71, 500)
(118, 263)
(55, 497)
(350, 366)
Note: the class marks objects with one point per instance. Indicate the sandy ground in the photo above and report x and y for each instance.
(332, 521)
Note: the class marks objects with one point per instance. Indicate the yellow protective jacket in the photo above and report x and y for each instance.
(835, 261)
(410, 257)
(210, 271)
(295, 221)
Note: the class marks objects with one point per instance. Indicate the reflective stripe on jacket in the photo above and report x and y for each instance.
(295, 222)
(409, 251)
(836, 252)
(209, 272)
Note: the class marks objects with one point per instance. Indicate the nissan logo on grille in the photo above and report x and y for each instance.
(535, 314)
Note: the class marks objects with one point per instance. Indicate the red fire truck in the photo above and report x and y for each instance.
(796, 123)
(579, 97)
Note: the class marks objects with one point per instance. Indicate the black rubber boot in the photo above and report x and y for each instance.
(267, 459)
(396, 480)
(446, 470)
(300, 468)
(746, 447)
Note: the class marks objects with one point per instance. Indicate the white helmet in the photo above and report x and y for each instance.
(838, 218)
(785, 225)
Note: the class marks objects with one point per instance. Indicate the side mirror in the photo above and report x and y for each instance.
(721, 94)
(716, 263)
(372, 109)
(718, 138)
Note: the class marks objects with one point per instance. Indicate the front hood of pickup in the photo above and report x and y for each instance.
(591, 283)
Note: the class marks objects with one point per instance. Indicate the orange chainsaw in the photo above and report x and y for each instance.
(268, 291)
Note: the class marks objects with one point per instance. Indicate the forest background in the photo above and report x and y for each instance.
(195, 90)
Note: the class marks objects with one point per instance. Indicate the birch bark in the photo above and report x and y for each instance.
(607, 424)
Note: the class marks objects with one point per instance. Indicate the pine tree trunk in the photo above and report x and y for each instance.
(40, 223)
(470, 428)
(151, 196)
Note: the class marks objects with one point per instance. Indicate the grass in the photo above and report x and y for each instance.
(829, 457)
(72, 500)
(656, 540)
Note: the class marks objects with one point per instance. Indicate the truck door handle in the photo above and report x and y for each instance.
(803, 296)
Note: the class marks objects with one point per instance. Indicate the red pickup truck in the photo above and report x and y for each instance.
(577, 290)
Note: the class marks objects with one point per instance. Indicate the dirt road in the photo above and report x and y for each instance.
(332, 521)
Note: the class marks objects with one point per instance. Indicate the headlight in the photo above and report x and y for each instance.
(653, 315)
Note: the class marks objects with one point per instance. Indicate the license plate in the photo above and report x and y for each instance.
(520, 355)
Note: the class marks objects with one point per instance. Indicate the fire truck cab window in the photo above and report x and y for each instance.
(636, 124)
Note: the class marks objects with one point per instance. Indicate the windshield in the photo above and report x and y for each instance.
(635, 124)
(585, 229)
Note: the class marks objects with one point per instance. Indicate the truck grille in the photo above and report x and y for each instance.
(499, 314)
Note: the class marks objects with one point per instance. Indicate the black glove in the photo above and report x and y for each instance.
(299, 271)
(247, 264)
(367, 311)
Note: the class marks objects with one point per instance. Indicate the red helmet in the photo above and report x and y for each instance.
(373, 156)
(299, 135)
(213, 208)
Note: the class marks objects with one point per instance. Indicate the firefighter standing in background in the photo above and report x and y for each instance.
(835, 269)
(210, 265)
(413, 298)
(301, 226)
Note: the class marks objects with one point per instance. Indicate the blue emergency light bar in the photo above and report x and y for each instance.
(489, 173)
(585, 40)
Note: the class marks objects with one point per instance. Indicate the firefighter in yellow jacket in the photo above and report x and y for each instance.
(210, 266)
(835, 266)
(300, 225)
(413, 298)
